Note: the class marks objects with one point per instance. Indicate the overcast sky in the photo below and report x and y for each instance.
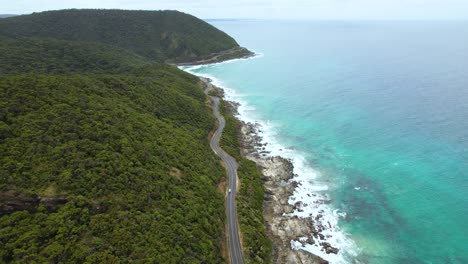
(269, 9)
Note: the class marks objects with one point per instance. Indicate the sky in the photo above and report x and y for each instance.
(268, 9)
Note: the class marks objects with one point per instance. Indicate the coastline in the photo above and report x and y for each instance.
(299, 222)
(277, 177)
(217, 57)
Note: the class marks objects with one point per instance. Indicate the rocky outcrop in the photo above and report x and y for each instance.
(230, 54)
(11, 201)
(277, 178)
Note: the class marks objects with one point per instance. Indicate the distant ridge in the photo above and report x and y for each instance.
(6, 15)
(163, 36)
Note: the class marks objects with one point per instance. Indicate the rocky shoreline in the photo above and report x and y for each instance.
(279, 186)
(289, 233)
(230, 54)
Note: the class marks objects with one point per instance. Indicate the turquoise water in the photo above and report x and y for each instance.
(380, 110)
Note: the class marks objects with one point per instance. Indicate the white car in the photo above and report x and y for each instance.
(229, 190)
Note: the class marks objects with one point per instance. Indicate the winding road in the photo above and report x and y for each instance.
(235, 250)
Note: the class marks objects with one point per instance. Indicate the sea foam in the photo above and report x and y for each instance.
(310, 191)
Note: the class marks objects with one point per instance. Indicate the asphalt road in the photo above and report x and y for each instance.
(235, 251)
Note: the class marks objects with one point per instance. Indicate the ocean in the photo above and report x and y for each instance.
(375, 116)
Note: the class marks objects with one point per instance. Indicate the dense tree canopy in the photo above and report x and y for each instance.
(128, 152)
(104, 148)
(52, 56)
(157, 35)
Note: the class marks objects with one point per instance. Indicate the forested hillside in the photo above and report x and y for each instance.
(99, 167)
(126, 155)
(53, 56)
(158, 35)
(105, 155)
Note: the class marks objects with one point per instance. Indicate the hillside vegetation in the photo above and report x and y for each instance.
(53, 56)
(119, 166)
(104, 154)
(157, 35)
